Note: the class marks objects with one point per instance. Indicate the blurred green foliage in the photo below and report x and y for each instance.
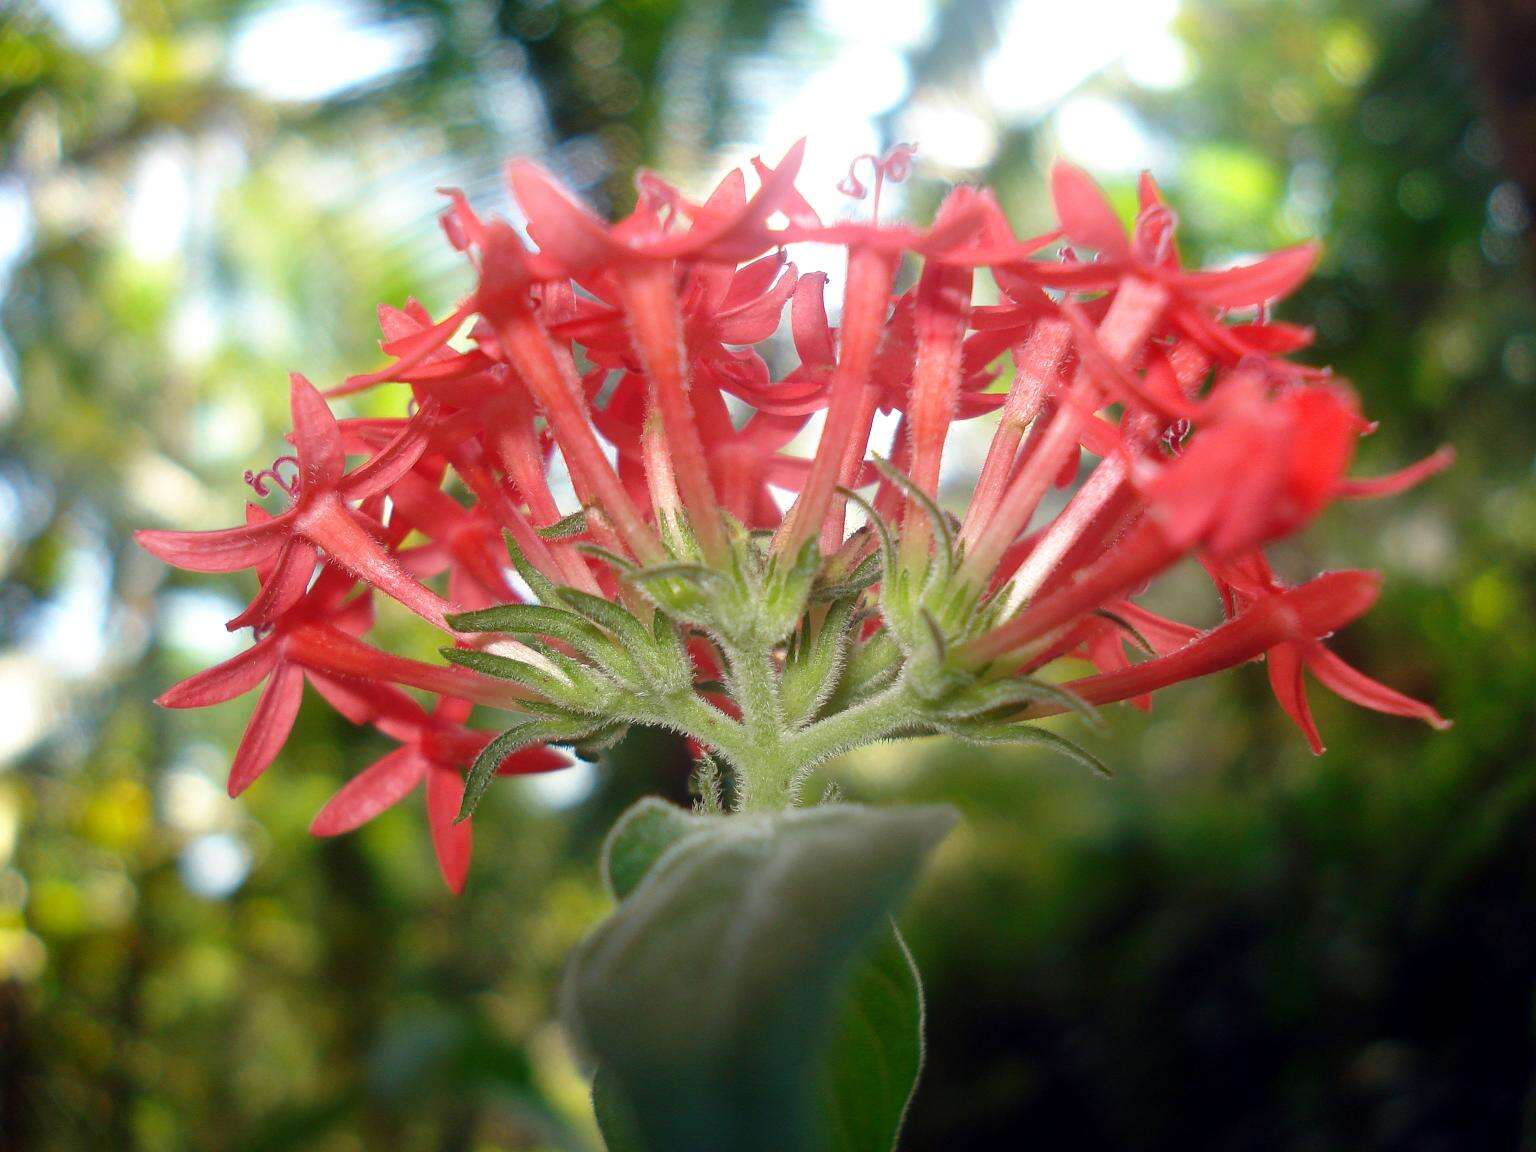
(1230, 945)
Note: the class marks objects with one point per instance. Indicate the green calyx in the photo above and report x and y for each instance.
(769, 663)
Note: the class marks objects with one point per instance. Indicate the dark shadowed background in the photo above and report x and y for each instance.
(1230, 945)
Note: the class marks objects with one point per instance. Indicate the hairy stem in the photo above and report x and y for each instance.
(882, 715)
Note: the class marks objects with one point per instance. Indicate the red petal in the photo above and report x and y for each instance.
(315, 436)
(339, 532)
(1085, 213)
(1274, 338)
(808, 322)
(411, 351)
(756, 320)
(452, 842)
(1358, 688)
(742, 235)
(393, 460)
(751, 281)
(226, 550)
(1304, 613)
(268, 728)
(561, 225)
(1277, 275)
(225, 681)
(1163, 634)
(377, 787)
(284, 588)
(460, 224)
(791, 202)
(1401, 480)
(365, 702)
(727, 198)
(1291, 691)
(533, 760)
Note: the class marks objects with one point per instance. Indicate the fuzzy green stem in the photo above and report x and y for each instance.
(753, 679)
(882, 715)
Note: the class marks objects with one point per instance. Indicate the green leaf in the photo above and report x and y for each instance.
(877, 1052)
(711, 995)
(655, 651)
(615, 1116)
(887, 540)
(863, 576)
(1128, 628)
(646, 829)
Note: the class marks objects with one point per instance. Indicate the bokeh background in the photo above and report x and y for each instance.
(1231, 945)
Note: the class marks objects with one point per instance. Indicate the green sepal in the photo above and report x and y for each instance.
(683, 590)
(943, 530)
(984, 731)
(618, 563)
(505, 668)
(565, 528)
(1128, 628)
(543, 587)
(542, 730)
(1000, 695)
(814, 667)
(865, 575)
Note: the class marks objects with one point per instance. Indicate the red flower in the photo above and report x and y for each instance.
(1251, 581)
(313, 640)
(318, 519)
(638, 363)
(435, 748)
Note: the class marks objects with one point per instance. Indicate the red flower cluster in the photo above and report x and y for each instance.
(642, 361)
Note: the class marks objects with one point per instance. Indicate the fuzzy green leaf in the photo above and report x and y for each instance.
(877, 1052)
(541, 620)
(646, 829)
(615, 1116)
(810, 677)
(711, 995)
(865, 575)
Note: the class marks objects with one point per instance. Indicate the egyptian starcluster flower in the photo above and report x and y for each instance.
(780, 604)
